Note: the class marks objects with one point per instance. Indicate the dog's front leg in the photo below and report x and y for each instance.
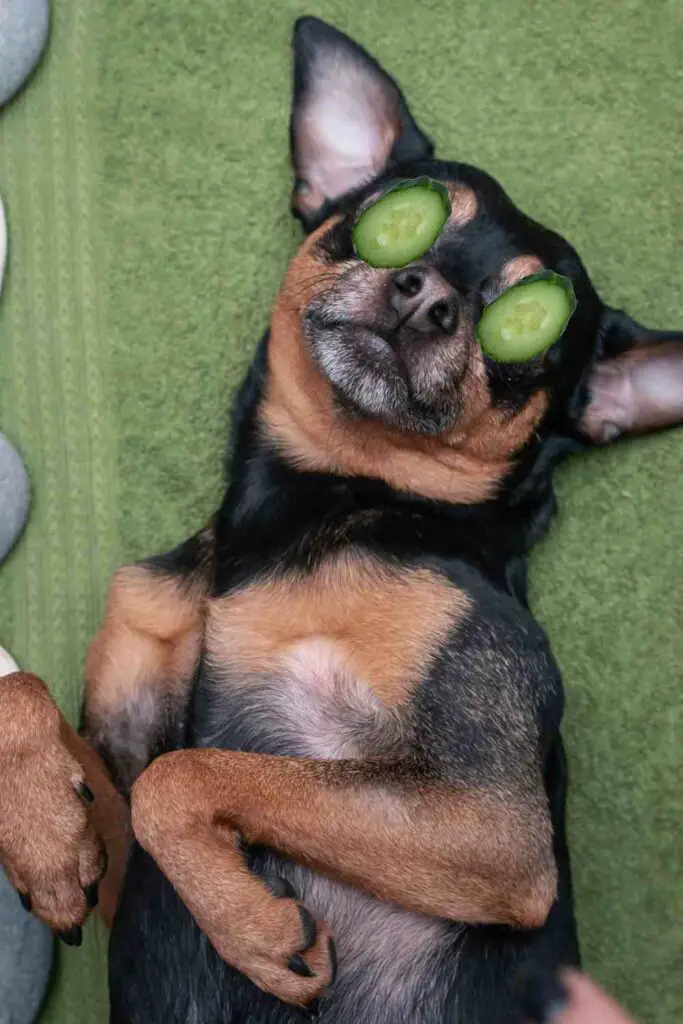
(61, 820)
(426, 843)
(61, 816)
(141, 662)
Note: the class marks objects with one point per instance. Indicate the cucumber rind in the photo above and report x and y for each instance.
(422, 182)
(552, 277)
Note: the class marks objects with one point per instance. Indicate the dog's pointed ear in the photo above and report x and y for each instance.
(636, 383)
(349, 119)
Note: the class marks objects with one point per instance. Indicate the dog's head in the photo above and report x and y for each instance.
(379, 372)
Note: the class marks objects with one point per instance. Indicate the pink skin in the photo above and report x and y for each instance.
(588, 1004)
(640, 390)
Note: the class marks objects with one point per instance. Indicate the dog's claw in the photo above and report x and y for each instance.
(84, 791)
(72, 936)
(297, 964)
(280, 888)
(308, 926)
(92, 895)
(25, 901)
(332, 951)
(312, 1011)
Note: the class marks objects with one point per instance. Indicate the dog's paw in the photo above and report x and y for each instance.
(256, 925)
(48, 848)
(286, 951)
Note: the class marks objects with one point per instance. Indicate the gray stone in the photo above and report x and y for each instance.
(26, 949)
(26, 945)
(14, 496)
(24, 26)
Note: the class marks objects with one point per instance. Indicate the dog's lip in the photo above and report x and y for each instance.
(321, 318)
(384, 338)
(387, 334)
(325, 322)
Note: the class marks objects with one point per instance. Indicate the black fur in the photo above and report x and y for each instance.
(275, 518)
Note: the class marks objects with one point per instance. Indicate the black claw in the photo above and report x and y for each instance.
(84, 791)
(279, 887)
(332, 953)
(72, 936)
(309, 927)
(298, 965)
(25, 901)
(92, 895)
(312, 1011)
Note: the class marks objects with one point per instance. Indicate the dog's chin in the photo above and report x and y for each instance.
(371, 380)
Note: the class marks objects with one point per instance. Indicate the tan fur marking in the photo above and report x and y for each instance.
(464, 204)
(307, 274)
(384, 625)
(151, 636)
(473, 856)
(299, 414)
(519, 268)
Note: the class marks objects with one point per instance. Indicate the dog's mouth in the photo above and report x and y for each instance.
(388, 371)
(359, 346)
(391, 331)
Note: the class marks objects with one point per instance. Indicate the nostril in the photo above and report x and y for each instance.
(409, 282)
(444, 314)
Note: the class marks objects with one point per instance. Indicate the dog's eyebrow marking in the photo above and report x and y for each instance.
(518, 268)
(464, 204)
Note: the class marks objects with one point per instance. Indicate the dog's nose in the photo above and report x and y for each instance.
(423, 300)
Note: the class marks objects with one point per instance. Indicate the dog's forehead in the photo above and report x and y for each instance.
(487, 236)
(486, 241)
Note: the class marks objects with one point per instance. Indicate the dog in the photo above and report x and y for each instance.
(329, 721)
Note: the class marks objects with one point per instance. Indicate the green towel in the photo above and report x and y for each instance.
(147, 185)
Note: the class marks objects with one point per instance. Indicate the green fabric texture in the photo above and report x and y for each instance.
(146, 177)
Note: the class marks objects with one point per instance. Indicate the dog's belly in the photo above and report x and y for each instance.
(309, 705)
(389, 958)
(394, 966)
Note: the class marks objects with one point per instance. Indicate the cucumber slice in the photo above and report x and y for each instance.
(403, 224)
(527, 318)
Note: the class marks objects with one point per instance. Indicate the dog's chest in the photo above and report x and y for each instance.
(323, 664)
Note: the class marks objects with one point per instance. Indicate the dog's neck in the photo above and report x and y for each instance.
(272, 505)
(300, 417)
(282, 515)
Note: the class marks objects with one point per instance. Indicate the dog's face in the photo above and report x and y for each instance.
(399, 348)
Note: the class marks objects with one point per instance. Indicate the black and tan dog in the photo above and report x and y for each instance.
(362, 715)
